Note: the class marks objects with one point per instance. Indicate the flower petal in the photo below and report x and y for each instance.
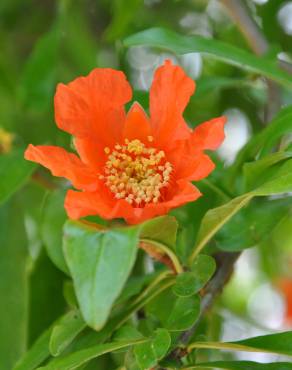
(63, 164)
(195, 168)
(169, 94)
(137, 125)
(93, 106)
(185, 192)
(82, 204)
(91, 153)
(209, 135)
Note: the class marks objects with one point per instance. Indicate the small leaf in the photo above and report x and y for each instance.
(160, 229)
(127, 332)
(149, 353)
(100, 263)
(184, 313)
(14, 172)
(65, 331)
(161, 343)
(54, 217)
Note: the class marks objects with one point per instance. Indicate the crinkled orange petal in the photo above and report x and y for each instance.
(137, 125)
(169, 94)
(63, 164)
(82, 204)
(209, 135)
(91, 152)
(195, 168)
(93, 106)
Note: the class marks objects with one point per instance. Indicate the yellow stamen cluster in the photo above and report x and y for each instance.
(136, 173)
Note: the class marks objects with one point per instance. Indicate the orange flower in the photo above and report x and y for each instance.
(129, 165)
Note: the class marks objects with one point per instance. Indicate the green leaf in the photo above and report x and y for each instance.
(149, 353)
(100, 263)
(215, 218)
(175, 313)
(13, 284)
(14, 172)
(263, 142)
(160, 229)
(184, 313)
(189, 283)
(241, 365)
(54, 217)
(78, 358)
(257, 172)
(37, 354)
(39, 76)
(180, 44)
(280, 343)
(65, 331)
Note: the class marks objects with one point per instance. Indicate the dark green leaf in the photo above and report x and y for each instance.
(14, 172)
(257, 172)
(189, 283)
(181, 44)
(65, 331)
(149, 353)
(76, 359)
(54, 217)
(100, 263)
(37, 354)
(161, 229)
(39, 75)
(184, 313)
(13, 284)
(217, 217)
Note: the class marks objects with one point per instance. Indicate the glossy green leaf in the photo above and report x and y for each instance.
(217, 217)
(14, 172)
(13, 284)
(184, 313)
(149, 353)
(161, 229)
(241, 365)
(54, 217)
(78, 358)
(280, 343)
(257, 172)
(65, 331)
(100, 263)
(189, 283)
(181, 44)
(264, 141)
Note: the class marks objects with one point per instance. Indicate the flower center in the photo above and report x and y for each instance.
(136, 173)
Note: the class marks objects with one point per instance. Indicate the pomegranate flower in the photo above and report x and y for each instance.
(130, 165)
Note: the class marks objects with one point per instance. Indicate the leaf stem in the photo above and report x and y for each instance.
(151, 247)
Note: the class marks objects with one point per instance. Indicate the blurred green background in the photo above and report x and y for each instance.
(46, 42)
